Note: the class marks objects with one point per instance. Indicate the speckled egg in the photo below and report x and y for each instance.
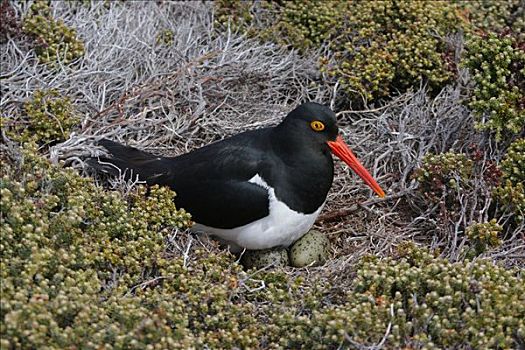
(312, 249)
(277, 257)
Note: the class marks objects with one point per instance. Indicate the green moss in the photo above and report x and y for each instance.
(54, 40)
(48, 117)
(498, 66)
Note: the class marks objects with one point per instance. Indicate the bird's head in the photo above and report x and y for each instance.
(317, 125)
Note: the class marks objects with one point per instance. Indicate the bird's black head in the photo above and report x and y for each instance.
(310, 130)
(313, 122)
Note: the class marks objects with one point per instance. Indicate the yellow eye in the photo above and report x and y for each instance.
(317, 125)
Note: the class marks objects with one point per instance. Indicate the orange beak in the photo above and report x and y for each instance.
(340, 149)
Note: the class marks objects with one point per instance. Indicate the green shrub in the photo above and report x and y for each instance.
(416, 300)
(484, 235)
(511, 193)
(512, 196)
(307, 24)
(299, 24)
(48, 117)
(83, 267)
(54, 40)
(443, 175)
(513, 166)
(9, 23)
(380, 48)
(234, 13)
(455, 186)
(434, 301)
(377, 48)
(494, 16)
(389, 46)
(70, 252)
(498, 66)
(165, 37)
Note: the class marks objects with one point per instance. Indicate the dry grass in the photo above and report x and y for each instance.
(205, 86)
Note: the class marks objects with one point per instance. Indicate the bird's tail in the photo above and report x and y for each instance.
(131, 163)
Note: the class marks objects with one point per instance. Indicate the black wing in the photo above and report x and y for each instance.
(211, 182)
(223, 204)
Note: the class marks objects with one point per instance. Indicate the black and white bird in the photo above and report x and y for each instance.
(256, 190)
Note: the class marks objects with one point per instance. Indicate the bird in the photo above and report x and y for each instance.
(256, 190)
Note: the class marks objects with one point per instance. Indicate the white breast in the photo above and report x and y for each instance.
(281, 227)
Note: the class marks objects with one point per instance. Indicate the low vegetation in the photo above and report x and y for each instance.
(54, 41)
(102, 264)
(497, 63)
(46, 118)
(511, 192)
